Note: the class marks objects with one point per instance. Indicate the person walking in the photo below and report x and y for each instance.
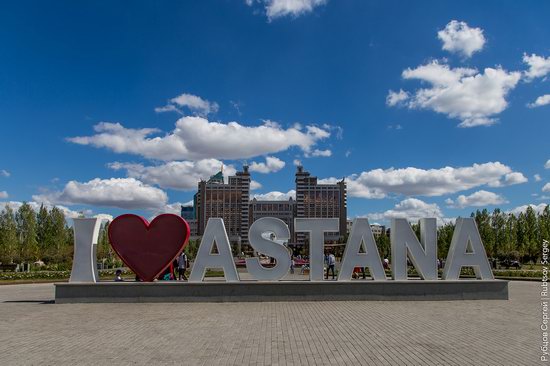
(331, 262)
(182, 266)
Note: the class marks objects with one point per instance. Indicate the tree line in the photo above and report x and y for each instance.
(27, 236)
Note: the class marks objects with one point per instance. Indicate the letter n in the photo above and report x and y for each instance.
(423, 254)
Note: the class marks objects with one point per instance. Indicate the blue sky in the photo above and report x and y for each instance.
(433, 108)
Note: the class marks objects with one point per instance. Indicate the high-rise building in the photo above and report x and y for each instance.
(188, 212)
(378, 230)
(315, 200)
(284, 210)
(190, 215)
(229, 201)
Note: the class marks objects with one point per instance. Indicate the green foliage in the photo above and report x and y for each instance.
(444, 236)
(384, 248)
(517, 273)
(507, 236)
(27, 236)
(55, 275)
(25, 219)
(9, 245)
(192, 248)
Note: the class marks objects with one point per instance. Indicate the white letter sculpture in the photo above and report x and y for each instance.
(270, 248)
(361, 234)
(316, 229)
(86, 232)
(214, 233)
(423, 256)
(466, 250)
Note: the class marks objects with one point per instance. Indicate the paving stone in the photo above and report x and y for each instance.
(34, 331)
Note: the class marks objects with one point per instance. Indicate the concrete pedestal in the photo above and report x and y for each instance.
(172, 291)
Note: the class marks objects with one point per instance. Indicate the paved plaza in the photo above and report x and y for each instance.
(35, 331)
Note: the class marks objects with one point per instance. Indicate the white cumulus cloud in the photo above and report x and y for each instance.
(319, 153)
(539, 66)
(379, 183)
(3, 194)
(412, 209)
(197, 138)
(546, 187)
(458, 37)
(195, 104)
(69, 214)
(125, 193)
(272, 164)
(396, 98)
(280, 8)
(466, 94)
(537, 177)
(276, 196)
(547, 164)
(254, 185)
(540, 101)
(477, 199)
(509, 180)
(180, 175)
(538, 208)
(4, 173)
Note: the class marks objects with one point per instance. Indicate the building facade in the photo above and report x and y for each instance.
(188, 212)
(229, 201)
(316, 200)
(284, 210)
(378, 230)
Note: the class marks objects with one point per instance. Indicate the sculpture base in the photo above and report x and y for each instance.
(412, 290)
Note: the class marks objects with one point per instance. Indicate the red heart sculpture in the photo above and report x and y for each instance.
(148, 248)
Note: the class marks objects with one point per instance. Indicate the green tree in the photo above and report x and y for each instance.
(444, 237)
(544, 223)
(104, 251)
(384, 248)
(498, 223)
(521, 241)
(8, 236)
(531, 234)
(510, 235)
(57, 236)
(26, 233)
(42, 224)
(483, 222)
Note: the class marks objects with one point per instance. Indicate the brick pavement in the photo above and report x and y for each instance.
(35, 331)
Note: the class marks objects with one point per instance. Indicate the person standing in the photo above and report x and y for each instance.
(182, 266)
(331, 262)
(118, 276)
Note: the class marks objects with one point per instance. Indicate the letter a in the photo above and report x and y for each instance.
(466, 250)
(214, 233)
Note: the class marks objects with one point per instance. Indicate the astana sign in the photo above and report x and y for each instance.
(149, 248)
